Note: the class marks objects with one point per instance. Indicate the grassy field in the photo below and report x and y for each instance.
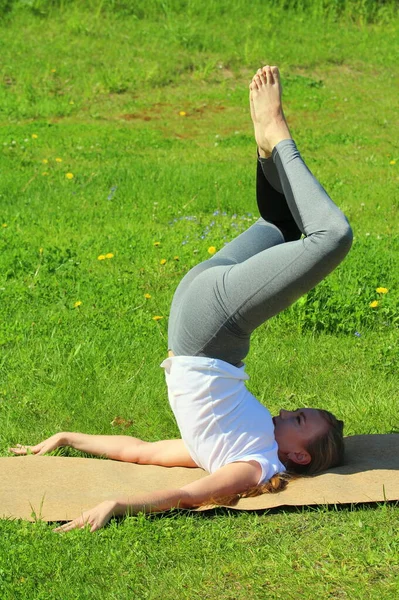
(126, 142)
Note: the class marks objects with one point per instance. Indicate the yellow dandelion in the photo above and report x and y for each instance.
(45, 161)
(374, 304)
(157, 318)
(4, 225)
(162, 261)
(101, 257)
(77, 304)
(175, 258)
(183, 113)
(58, 160)
(382, 290)
(392, 162)
(109, 255)
(157, 243)
(69, 176)
(148, 296)
(34, 136)
(211, 249)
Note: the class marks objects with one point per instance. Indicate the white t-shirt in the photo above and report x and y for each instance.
(220, 421)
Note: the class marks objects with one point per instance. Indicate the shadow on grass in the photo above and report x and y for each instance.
(223, 511)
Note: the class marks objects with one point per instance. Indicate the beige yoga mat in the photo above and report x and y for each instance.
(59, 488)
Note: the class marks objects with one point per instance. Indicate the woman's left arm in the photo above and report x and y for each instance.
(233, 478)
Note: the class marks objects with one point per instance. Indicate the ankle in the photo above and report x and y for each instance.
(263, 153)
(279, 138)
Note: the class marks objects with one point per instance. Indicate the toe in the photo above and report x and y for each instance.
(275, 73)
(268, 74)
(258, 81)
(256, 76)
(263, 78)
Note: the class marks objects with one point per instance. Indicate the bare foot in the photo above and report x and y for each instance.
(266, 110)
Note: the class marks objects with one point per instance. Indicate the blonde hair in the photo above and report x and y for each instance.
(326, 451)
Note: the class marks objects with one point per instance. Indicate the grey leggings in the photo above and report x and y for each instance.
(220, 302)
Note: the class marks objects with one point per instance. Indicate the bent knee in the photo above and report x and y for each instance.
(334, 241)
(342, 238)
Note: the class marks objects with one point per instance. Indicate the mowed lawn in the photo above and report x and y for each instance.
(127, 156)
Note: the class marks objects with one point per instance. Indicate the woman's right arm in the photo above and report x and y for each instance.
(166, 453)
(110, 446)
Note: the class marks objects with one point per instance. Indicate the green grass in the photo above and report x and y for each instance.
(298, 554)
(103, 90)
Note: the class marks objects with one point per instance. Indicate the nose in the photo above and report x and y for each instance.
(285, 414)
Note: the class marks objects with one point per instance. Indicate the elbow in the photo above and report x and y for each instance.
(187, 500)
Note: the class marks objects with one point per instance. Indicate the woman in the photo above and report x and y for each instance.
(216, 307)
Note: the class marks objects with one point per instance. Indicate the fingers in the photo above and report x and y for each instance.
(20, 450)
(75, 524)
(95, 518)
(79, 523)
(38, 450)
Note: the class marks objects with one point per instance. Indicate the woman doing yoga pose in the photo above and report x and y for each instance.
(300, 237)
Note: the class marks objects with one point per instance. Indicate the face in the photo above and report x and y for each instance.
(294, 429)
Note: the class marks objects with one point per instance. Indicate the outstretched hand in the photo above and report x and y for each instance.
(53, 442)
(96, 518)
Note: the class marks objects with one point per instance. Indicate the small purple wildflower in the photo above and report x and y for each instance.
(357, 334)
(112, 192)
